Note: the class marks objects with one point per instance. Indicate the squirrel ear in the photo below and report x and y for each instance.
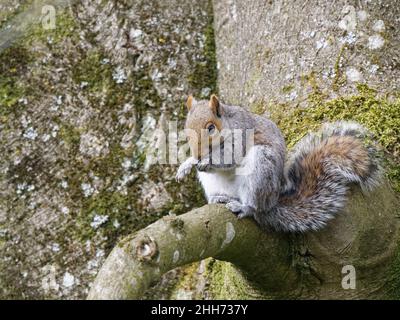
(189, 102)
(215, 105)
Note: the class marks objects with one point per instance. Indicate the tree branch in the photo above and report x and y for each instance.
(141, 259)
(283, 265)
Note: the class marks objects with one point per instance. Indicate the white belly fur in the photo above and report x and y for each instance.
(230, 183)
(220, 183)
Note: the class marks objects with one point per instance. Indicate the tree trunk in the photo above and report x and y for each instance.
(268, 50)
(79, 104)
(78, 107)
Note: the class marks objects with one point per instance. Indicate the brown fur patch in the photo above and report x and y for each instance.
(260, 138)
(344, 151)
(215, 105)
(189, 102)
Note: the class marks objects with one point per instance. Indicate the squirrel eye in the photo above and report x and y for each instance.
(211, 129)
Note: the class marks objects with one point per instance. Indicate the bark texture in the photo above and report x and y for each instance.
(78, 108)
(269, 50)
(79, 105)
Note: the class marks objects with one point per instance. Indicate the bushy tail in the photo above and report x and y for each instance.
(319, 172)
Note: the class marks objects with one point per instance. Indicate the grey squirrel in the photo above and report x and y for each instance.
(296, 194)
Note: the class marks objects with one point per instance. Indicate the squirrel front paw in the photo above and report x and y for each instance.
(185, 168)
(204, 164)
(242, 211)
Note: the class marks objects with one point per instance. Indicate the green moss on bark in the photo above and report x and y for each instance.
(66, 28)
(228, 283)
(205, 72)
(379, 114)
(394, 278)
(11, 90)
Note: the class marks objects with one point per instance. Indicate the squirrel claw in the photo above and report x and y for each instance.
(234, 206)
(240, 210)
(243, 215)
(203, 166)
(219, 199)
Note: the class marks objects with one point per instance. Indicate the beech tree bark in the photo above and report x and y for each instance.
(78, 106)
(267, 51)
(83, 87)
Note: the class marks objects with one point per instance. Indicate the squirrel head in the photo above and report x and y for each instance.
(203, 125)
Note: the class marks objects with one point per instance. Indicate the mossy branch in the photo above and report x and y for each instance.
(141, 259)
(365, 235)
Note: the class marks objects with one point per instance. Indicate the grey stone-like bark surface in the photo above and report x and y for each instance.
(79, 105)
(280, 51)
(78, 108)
